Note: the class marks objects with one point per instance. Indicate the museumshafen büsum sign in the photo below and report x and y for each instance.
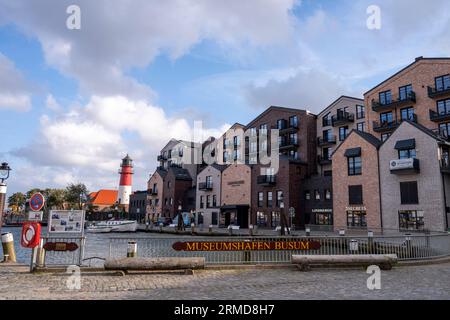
(245, 245)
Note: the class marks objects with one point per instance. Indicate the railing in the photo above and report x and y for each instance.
(445, 165)
(161, 158)
(342, 117)
(326, 122)
(64, 258)
(433, 92)
(360, 115)
(437, 116)
(326, 140)
(409, 98)
(406, 247)
(205, 186)
(385, 126)
(153, 192)
(266, 180)
(324, 160)
(288, 144)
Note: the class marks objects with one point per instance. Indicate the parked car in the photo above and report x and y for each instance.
(164, 220)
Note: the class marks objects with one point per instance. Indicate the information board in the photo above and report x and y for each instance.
(66, 221)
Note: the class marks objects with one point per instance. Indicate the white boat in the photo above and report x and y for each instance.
(113, 226)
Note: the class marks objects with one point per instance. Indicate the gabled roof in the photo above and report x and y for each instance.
(271, 108)
(220, 167)
(337, 100)
(103, 197)
(180, 173)
(366, 136)
(418, 60)
(423, 129)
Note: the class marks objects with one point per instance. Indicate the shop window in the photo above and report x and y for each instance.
(356, 219)
(324, 219)
(275, 219)
(410, 220)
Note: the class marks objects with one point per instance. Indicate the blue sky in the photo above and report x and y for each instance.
(73, 102)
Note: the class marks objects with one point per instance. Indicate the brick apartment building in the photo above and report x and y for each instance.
(276, 186)
(334, 123)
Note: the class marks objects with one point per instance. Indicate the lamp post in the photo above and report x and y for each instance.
(4, 175)
(180, 218)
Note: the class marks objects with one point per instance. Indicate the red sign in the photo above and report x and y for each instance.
(31, 235)
(246, 245)
(37, 202)
(60, 246)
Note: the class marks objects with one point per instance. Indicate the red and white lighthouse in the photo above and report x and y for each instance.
(126, 171)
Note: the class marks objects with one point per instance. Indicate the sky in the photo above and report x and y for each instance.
(74, 102)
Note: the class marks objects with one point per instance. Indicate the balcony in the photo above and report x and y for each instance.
(153, 192)
(325, 141)
(404, 166)
(205, 186)
(435, 93)
(324, 160)
(161, 158)
(342, 118)
(385, 126)
(286, 145)
(445, 166)
(410, 98)
(266, 181)
(326, 122)
(438, 117)
(290, 128)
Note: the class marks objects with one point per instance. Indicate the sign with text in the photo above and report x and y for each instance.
(37, 201)
(245, 245)
(66, 221)
(35, 216)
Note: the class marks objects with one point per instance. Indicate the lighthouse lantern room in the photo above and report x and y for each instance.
(126, 172)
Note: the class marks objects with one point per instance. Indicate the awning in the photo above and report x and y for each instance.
(355, 152)
(405, 144)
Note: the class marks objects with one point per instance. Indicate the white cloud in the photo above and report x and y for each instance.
(52, 104)
(14, 91)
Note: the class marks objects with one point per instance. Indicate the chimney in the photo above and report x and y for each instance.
(419, 58)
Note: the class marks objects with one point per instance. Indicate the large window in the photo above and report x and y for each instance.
(410, 220)
(307, 195)
(354, 166)
(356, 219)
(281, 124)
(324, 219)
(317, 194)
(355, 195)
(260, 199)
(275, 219)
(208, 203)
(327, 194)
(407, 113)
(444, 129)
(443, 106)
(263, 129)
(343, 131)
(385, 97)
(293, 138)
(405, 92)
(360, 126)
(214, 199)
(201, 202)
(409, 192)
(385, 136)
(293, 121)
(269, 199)
(328, 135)
(261, 219)
(386, 118)
(279, 198)
(442, 83)
(360, 112)
(214, 218)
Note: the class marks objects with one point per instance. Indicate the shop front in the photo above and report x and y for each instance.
(356, 217)
(234, 215)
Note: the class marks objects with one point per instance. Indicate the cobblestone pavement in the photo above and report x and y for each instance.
(412, 282)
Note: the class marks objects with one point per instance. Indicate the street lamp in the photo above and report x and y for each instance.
(4, 174)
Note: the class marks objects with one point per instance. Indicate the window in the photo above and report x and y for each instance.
(156, 202)
(275, 219)
(327, 135)
(225, 156)
(404, 92)
(293, 154)
(236, 141)
(269, 199)
(386, 118)
(326, 120)
(444, 129)
(281, 124)
(171, 201)
(317, 194)
(360, 112)
(236, 154)
(385, 97)
(326, 154)
(208, 203)
(356, 219)
(354, 166)
(253, 132)
(407, 154)
(260, 199)
(165, 201)
(385, 136)
(355, 195)
(407, 113)
(293, 122)
(263, 129)
(360, 126)
(410, 220)
(169, 184)
(307, 195)
(343, 131)
(214, 199)
(408, 192)
(327, 173)
(201, 202)
(214, 219)
(293, 138)
(442, 83)
(279, 198)
(253, 147)
(209, 181)
(261, 219)
(264, 145)
(327, 194)
(324, 219)
(443, 107)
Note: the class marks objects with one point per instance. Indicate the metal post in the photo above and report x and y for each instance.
(250, 230)
(132, 249)
(370, 241)
(308, 232)
(8, 247)
(2, 202)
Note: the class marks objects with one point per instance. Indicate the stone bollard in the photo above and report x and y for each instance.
(132, 249)
(308, 232)
(210, 228)
(192, 228)
(250, 230)
(8, 247)
(160, 227)
(230, 230)
(40, 254)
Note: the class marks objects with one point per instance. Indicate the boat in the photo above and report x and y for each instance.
(112, 226)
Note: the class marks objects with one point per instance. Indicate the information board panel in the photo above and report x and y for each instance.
(66, 221)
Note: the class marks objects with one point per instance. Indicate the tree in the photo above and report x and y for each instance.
(17, 200)
(33, 191)
(55, 198)
(75, 193)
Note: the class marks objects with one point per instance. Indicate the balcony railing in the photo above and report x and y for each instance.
(438, 117)
(269, 180)
(324, 160)
(290, 144)
(205, 186)
(445, 166)
(323, 141)
(326, 122)
(434, 93)
(410, 98)
(153, 192)
(342, 118)
(404, 166)
(161, 158)
(385, 126)
(360, 115)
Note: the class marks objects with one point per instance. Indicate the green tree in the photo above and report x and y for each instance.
(55, 198)
(17, 199)
(33, 191)
(75, 193)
